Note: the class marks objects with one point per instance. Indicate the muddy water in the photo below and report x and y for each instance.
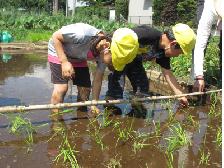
(139, 139)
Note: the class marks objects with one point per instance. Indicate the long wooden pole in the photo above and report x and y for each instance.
(7, 109)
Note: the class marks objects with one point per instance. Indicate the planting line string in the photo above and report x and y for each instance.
(6, 109)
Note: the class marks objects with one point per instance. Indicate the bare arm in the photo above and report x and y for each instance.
(96, 88)
(67, 69)
(171, 80)
(97, 83)
(58, 40)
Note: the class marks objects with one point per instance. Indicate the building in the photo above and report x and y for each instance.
(140, 12)
(75, 3)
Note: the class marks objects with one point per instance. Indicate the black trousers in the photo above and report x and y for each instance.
(135, 73)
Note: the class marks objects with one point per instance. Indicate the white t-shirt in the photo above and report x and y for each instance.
(213, 11)
(77, 40)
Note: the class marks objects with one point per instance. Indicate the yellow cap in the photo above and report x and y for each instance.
(124, 47)
(185, 37)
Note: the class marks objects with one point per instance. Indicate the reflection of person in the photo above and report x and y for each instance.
(213, 10)
(67, 54)
(121, 55)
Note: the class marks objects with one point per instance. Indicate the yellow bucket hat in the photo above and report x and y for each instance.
(185, 37)
(124, 47)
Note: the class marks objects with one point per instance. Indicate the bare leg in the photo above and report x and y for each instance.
(83, 95)
(58, 97)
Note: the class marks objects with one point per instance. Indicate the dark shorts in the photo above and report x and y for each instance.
(135, 73)
(82, 76)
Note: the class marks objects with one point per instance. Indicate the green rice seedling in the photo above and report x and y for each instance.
(21, 126)
(116, 125)
(94, 132)
(192, 122)
(168, 104)
(114, 162)
(124, 134)
(213, 112)
(177, 139)
(139, 145)
(58, 128)
(67, 153)
(157, 127)
(219, 137)
(139, 142)
(205, 157)
(105, 117)
(62, 112)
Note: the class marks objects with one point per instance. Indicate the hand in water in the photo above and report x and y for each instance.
(183, 102)
(94, 111)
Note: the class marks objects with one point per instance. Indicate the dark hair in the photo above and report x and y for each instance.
(170, 36)
(95, 40)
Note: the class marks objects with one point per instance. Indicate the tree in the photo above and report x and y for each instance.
(121, 8)
(174, 11)
(55, 6)
(186, 11)
(158, 6)
(169, 13)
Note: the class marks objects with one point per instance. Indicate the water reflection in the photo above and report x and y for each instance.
(25, 79)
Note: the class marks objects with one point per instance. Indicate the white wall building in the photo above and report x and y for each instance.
(75, 3)
(140, 11)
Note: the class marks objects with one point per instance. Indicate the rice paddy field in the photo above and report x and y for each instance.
(155, 134)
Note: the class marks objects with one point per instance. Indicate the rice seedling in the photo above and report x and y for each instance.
(65, 111)
(169, 106)
(190, 121)
(106, 121)
(139, 145)
(204, 158)
(124, 134)
(140, 141)
(67, 153)
(21, 126)
(219, 137)
(116, 125)
(177, 139)
(213, 112)
(114, 162)
(95, 134)
(58, 128)
(157, 127)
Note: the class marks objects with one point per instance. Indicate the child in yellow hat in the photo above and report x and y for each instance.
(126, 50)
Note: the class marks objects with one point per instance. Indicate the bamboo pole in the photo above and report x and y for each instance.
(96, 102)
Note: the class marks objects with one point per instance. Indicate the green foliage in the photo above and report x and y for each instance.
(174, 11)
(186, 9)
(158, 6)
(93, 11)
(20, 24)
(32, 5)
(181, 65)
(121, 8)
(169, 12)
